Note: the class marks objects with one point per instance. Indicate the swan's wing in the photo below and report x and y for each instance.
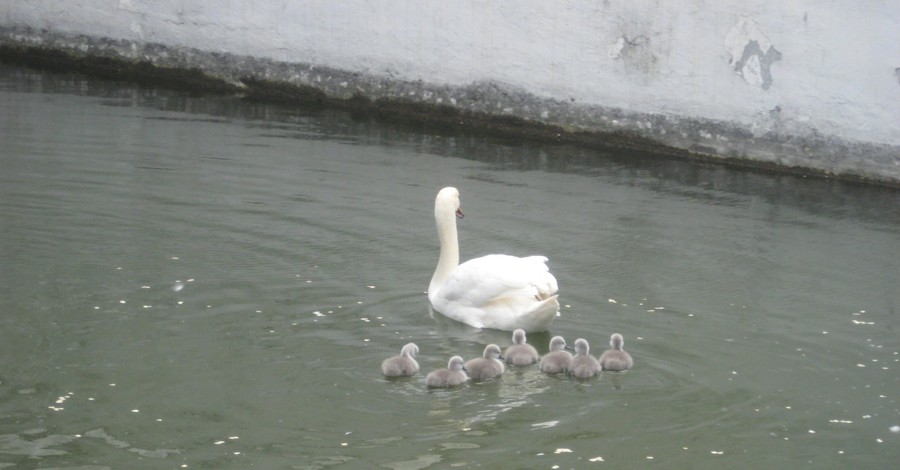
(492, 278)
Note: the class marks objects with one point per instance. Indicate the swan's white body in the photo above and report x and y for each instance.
(495, 291)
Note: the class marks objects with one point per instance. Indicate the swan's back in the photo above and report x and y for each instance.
(453, 375)
(558, 360)
(583, 364)
(488, 366)
(402, 365)
(521, 353)
(616, 359)
(501, 292)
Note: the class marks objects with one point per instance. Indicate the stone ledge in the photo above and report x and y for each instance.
(486, 108)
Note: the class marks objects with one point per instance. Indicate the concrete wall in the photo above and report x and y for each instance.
(801, 83)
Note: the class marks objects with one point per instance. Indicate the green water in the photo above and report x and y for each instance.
(205, 283)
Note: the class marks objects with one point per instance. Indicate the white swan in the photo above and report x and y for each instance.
(495, 291)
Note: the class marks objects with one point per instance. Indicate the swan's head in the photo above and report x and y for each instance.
(616, 341)
(518, 336)
(410, 350)
(582, 347)
(558, 343)
(447, 201)
(492, 351)
(456, 363)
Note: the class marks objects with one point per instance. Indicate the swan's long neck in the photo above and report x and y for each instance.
(445, 217)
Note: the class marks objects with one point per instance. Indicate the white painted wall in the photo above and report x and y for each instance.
(837, 71)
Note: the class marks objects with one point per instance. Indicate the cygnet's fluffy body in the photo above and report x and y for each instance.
(452, 376)
(583, 364)
(616, 359)
(558, 360)
(402, 365)
(488, 366)
(520, 353)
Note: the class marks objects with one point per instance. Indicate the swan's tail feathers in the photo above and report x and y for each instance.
(553, 303)
(545, 290)
(541, 316)
(544, 294)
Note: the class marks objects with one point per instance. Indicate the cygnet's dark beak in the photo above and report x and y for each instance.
(569, 348)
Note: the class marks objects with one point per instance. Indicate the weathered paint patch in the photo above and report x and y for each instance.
(636, 53)
(752, 54)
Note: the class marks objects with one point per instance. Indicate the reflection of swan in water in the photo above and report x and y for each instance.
(616, 359)
(583, 364)
(487, 402)
(558, 360)
(520, 353)
(511, 391)
(496, 291)
(403, 365)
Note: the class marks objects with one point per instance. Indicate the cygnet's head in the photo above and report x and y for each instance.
(518, 336)
(582, 347)
(558, 343)
(492, 351)
(616, 341)
(410, 350)
(456, 363)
